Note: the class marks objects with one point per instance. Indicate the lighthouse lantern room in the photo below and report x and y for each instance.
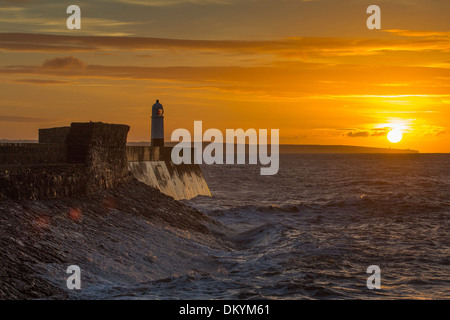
(157, 125)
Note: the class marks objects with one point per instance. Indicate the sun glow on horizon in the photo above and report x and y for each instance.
(395, 135)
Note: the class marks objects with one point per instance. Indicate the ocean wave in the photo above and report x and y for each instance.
(266, 235)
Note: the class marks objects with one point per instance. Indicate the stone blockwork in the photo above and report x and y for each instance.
(97, 143)
(102, 148)
(92, 158)
(54, 135)
(32, 153)
(88, 157)
(43, 182)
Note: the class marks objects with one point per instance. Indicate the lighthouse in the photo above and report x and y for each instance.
(157, 125)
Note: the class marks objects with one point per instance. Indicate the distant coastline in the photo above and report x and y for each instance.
(284, 148)
(339, 149)
(310, 148)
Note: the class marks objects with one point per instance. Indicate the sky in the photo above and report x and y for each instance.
(311, 69)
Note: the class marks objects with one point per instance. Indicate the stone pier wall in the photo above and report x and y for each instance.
(88, 157)
(92, 158)
(32, 153)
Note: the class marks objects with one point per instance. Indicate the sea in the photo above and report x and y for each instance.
(313, 230)
(326, 226)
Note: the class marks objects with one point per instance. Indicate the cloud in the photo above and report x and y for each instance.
(66, 63)
(416, 33)
(12, 9)
(291, 47)
(19, 1)
(277, 81)
(24, 119)
(379, 134)
(166, 3)
(29, 47)
(432, 131)
(359, 134)
(42, 81)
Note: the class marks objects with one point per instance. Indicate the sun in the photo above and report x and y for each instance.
(395, 135)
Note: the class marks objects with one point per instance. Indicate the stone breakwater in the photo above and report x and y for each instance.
(89, 157)
(72, 199)
(93, 158)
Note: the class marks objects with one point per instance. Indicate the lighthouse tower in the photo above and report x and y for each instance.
(157, 125)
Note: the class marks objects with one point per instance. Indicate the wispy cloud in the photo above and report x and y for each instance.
(166, 3)
(421, 34)
(24, 119)
(359, 134)
(66, 63)
(42, 82)
(49, 18)
(286, 47)
(290, 82)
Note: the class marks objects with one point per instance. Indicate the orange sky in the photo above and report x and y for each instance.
(309, 68)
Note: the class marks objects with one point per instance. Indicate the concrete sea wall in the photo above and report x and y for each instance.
(154, 167)
(88, 157)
